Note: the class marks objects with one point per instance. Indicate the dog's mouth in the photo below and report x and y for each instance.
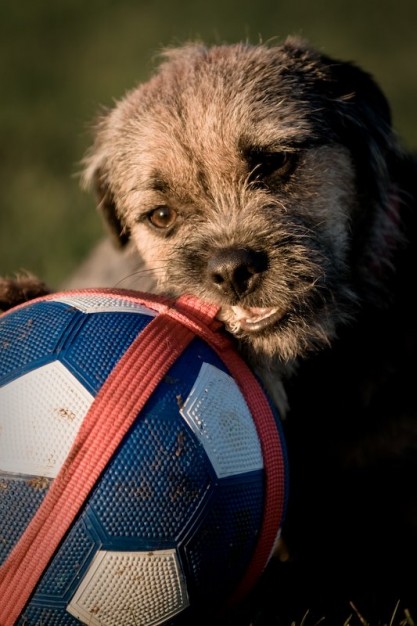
(250, 319)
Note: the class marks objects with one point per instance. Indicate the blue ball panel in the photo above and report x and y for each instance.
(64, 573)
(222, 547)
(19, 500)
(187, 366)
(46, 616)
(61, 579)
(32, 335)
(95, 346)
(153, 485)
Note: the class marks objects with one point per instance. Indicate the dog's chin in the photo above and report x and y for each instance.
(268, 334)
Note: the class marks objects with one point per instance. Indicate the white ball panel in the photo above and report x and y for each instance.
(40, 415)
(130, 589)
(101, 303)
(217, 413)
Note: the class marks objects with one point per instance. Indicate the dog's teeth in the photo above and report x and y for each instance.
(240, 312)
(252, 319)
(252, 314)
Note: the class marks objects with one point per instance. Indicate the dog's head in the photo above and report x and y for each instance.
(257, 178)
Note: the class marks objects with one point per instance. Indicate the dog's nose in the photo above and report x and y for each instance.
(235, 271)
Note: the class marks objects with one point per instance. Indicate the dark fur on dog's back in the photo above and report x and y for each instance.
(269, 180)
(352, 433)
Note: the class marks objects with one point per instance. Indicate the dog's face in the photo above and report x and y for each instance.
(256, 178)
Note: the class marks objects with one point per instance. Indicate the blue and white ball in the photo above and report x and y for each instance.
(173, 522)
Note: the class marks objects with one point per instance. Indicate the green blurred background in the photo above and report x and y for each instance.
(61, 60)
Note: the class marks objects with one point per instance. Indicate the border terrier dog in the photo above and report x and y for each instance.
(268, 180)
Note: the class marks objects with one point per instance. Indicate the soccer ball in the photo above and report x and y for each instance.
(142, 470)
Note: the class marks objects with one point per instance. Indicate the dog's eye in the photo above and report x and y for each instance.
(162, 217)
(264, 164)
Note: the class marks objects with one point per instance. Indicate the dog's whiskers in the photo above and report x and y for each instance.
(142, 273)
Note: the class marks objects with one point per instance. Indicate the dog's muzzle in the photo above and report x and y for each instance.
(235, 272)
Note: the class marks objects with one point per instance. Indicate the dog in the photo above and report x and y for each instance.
(268, 179)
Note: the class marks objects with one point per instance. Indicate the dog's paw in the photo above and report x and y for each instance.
(14, 291)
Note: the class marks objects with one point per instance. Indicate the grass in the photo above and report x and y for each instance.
(400, 616)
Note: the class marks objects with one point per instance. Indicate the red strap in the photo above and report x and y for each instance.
(110, 416)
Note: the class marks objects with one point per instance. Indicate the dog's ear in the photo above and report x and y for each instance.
(107, 206)
(355, 110)
(360, 109)
(95, 177)
(360, 116)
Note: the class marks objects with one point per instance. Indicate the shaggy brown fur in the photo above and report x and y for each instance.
(269, 180)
